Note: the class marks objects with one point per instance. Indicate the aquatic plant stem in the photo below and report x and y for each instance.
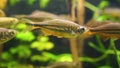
(80, 20)
(1, 49)
(115, 51)
(73, 44)
(77, 43)
(80, 12)
(74, 50)
(93, 8)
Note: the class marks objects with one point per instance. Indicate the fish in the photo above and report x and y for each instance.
(60, 28)
(113, 12)
(3, 4)
(39, 16)
(6, 22)
(68, 29)
(6, 35)
(2, 13)
(106, 31)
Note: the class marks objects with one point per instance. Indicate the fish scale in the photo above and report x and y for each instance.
(59, 27)
(6, 34)
(59, 24)
(67, 29)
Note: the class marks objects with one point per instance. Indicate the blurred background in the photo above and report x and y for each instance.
(33, 50)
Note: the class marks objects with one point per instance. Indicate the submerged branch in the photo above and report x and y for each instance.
(80, 20)
(80, 12)
(73, 44)
(1, 50)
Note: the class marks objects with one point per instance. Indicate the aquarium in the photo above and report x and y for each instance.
(59, 34)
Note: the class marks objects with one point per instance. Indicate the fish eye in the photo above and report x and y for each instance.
(81, 30)
(11, 32)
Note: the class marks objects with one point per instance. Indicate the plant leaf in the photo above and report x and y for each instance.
(31, 2)
(43, 3)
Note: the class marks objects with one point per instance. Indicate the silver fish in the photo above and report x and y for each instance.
(6, 34)
(39, 16)
(6, 22)
(60, 28)
(106, 31)
(67, 29)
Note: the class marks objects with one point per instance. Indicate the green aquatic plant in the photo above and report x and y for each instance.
(20, 53)
(100, 47)
(28, 44)
(25, 36)
(13, 57)
(13, 2)
(31, 2)
(117, 54)
(42, 43)
(42, 3)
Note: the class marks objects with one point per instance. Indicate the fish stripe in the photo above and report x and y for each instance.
(58, 27)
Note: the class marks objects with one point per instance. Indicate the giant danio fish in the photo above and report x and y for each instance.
(60, 28)
(67, 29)
(106, 31)
(6, 22)
(6, 34)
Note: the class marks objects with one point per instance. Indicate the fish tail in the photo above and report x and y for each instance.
(32, 25)
(28, 23)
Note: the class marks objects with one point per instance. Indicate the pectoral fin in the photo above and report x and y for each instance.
(108, 36)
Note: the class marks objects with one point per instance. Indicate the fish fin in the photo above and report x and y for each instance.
(73, 32)
(30, 24)
(108, 36)
(104, 38)
(90, 34)
(48, 32)
(27, 21)
(87, 34)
